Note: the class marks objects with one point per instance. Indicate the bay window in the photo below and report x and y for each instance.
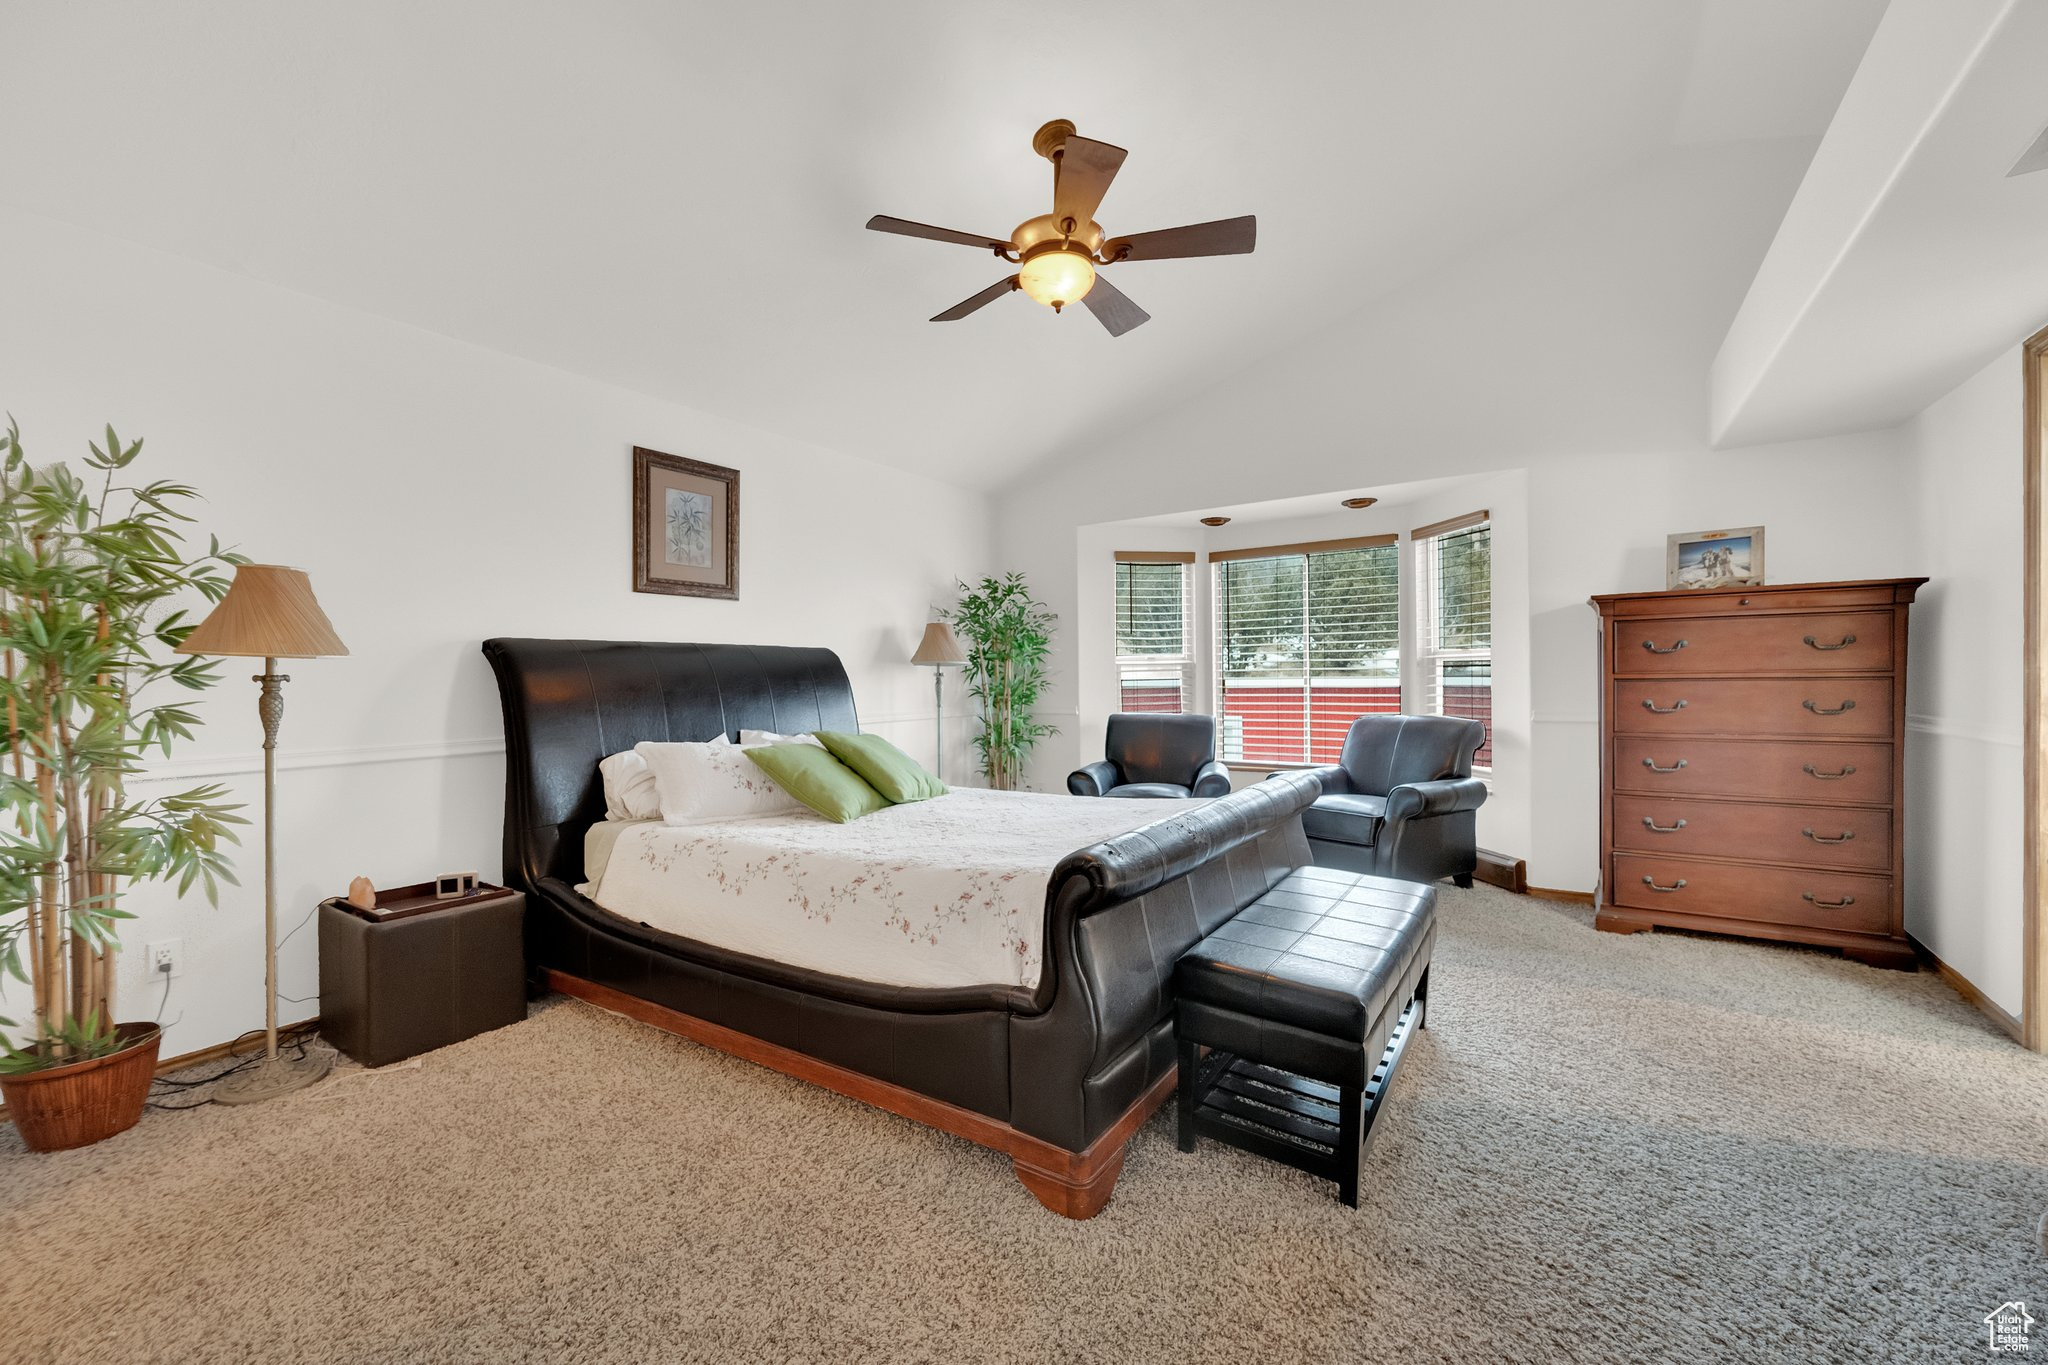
(1307, 640)
(1154, 655)
(1454, 566)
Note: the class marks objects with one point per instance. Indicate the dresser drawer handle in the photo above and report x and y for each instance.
(1651, 824)
(1842, 904)
(1651, 645)
(1651, 764)
(1848, 770)
(1844, 837)
(1820, 710)
(1847, 640)
(1657, 710)
(1651, 882)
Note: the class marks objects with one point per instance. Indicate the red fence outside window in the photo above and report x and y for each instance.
(1466, 689)
(1269, 723)
(1151, 696)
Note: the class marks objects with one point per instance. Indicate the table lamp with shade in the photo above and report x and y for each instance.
(270, 613)
(941, 649)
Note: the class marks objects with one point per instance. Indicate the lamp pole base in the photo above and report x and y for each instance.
(938, 722)
(274, 1076)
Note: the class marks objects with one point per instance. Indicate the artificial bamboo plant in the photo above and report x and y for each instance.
(1009, 636)
(88, 578)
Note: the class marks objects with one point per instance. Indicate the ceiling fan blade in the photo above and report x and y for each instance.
(981, 300)
(1113, 308)
(903, 227)
(1224, 237)
(1081, 177)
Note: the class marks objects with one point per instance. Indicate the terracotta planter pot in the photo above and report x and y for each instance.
(77, 1104)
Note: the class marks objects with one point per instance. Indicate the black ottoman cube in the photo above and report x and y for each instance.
(1305, 1000)
(429, 973)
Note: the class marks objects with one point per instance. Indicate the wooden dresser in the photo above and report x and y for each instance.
(1751, 763)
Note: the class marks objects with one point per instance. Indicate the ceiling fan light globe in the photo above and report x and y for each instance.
(1055, 278)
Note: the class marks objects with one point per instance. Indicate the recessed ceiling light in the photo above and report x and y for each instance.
(1359, 502)
(1215, 521)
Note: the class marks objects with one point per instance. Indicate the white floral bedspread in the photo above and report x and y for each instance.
(946, 892)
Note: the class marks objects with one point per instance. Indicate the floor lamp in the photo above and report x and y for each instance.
(269, 613)
(940, 648)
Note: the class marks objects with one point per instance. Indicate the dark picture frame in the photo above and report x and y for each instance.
(686, 526)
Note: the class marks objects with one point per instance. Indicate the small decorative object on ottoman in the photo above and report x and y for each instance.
(1305, 999)
(414, 972)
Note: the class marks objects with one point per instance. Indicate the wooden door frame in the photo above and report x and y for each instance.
(2034, 1010)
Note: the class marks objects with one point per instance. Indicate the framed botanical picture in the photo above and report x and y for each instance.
(1715, 559)
(686, 526)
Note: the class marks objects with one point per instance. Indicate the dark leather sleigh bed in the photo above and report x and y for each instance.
(1057, 1076)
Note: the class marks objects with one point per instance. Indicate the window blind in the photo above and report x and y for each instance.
(1456, 565)
(1154, 665)
(1306, 642)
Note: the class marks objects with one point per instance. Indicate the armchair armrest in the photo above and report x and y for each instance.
(1211, 779)
(1335, 779)
(1095, 779)
(1446, 796)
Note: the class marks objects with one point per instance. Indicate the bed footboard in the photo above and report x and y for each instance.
(1119, 915)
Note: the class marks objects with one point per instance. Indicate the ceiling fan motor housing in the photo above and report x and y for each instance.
(1043, 233)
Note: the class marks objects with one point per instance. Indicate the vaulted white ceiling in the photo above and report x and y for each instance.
(1911, 257)
(670, 197)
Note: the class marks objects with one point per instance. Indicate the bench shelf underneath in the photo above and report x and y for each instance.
(1307, 1124)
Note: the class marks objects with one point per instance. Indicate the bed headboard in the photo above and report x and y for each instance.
(569, 703)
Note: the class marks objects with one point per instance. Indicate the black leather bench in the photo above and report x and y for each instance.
(1305, 1000)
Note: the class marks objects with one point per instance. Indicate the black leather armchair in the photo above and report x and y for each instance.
(1401, 801)
(1155, 755)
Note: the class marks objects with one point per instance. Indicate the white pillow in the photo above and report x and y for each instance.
(703, 784)
(753, 739)
(629, 789)
(630, 792)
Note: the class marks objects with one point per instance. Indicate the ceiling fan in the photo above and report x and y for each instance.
(1062, 251)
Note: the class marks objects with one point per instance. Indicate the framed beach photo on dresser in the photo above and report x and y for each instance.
(686, 526)
(1715, 559)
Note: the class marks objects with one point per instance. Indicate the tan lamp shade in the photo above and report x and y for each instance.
(269, 613)
(939, 646)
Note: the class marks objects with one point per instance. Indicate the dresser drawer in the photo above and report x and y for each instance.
(1738, 601)
(1781, 642)
(1818, 836)
(1855, 902)
(1677, 765)
(1751, 706)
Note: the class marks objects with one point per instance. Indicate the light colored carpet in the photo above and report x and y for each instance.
(1603, 1149)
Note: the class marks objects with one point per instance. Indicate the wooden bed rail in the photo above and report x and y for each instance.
(1071, 1184)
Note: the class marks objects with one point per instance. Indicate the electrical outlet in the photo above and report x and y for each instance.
(166, 958)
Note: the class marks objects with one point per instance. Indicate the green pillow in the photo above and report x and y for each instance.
(817, 779)
(887, 768)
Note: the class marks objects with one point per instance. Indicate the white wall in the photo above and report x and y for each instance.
(438, 494)
(1577, 351)
(1964, 758)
